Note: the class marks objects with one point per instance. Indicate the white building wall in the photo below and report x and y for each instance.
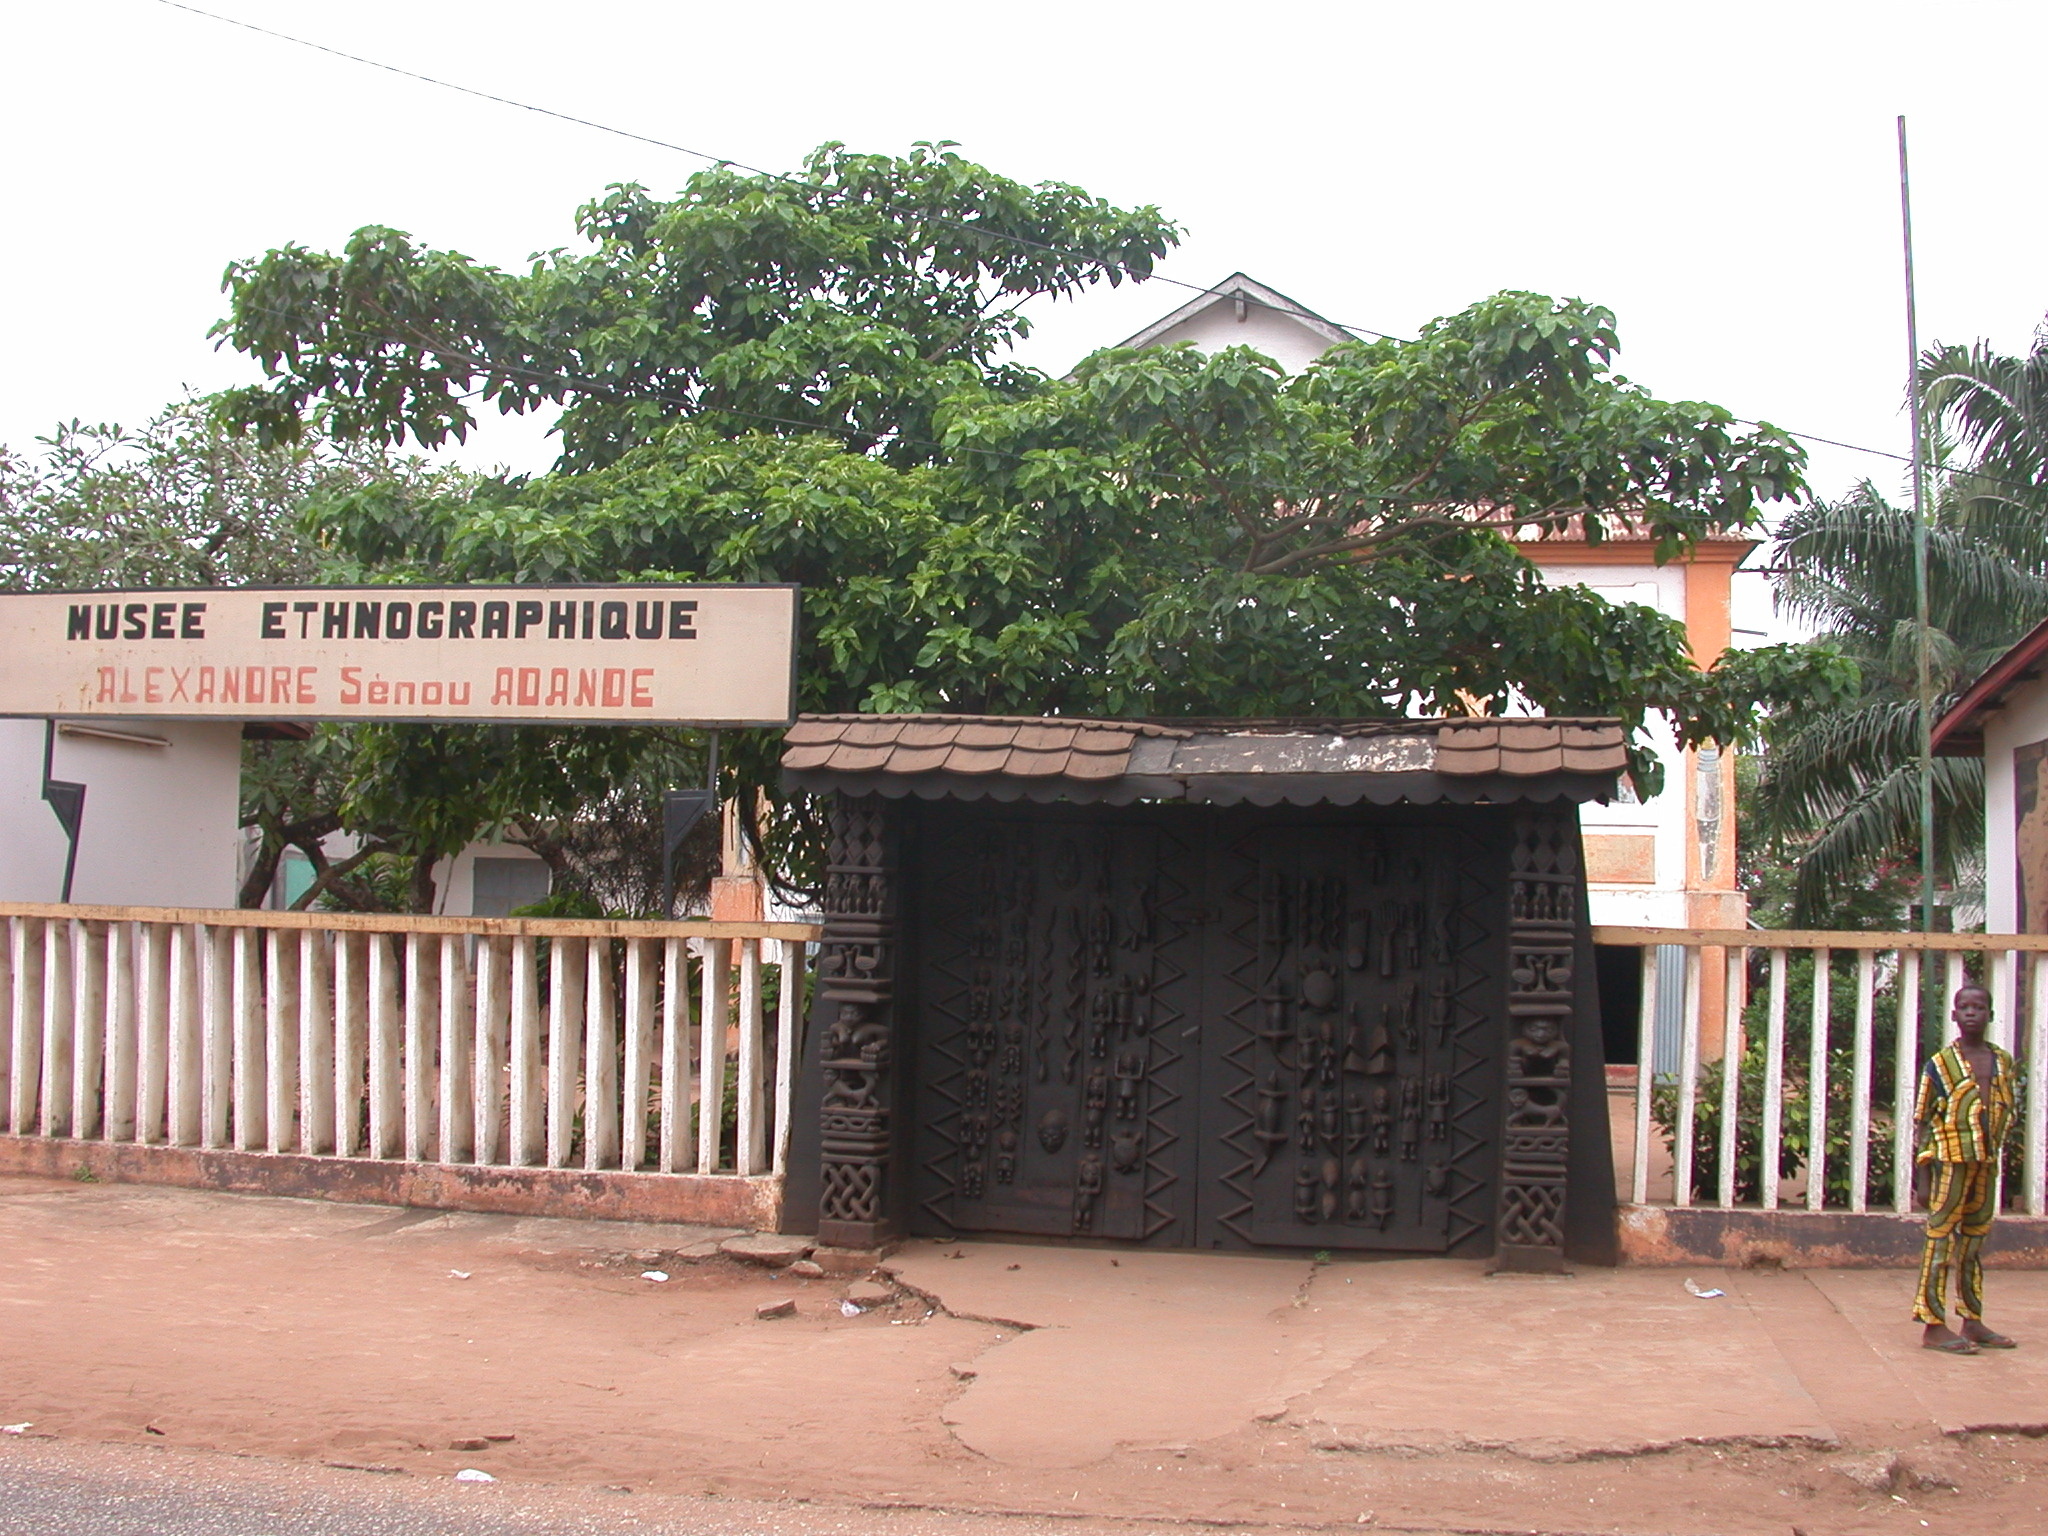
(1287, 341)
(2021, 722)
(160, 825)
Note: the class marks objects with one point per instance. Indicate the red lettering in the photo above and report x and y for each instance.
(204, 695)
(643, 698)
(351, 685)
(529, 685)
(231, 685)
(127, 687)
(380, 692)
(106, 693)
(152, 690)
(614, 687)
(586, 685)
(458, 693)
(306, 685)
(558, 685)
(252, 686)
(280, 685)
(501, 689)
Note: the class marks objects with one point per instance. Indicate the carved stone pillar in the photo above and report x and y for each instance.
(1543, 919)
(856, 984)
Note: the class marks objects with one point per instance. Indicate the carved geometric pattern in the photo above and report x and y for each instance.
(856, 986)
(1543, 912)
(1380, 934)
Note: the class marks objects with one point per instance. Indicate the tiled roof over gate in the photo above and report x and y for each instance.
(1264, 761)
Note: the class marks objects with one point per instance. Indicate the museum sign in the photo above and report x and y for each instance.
(643, 654)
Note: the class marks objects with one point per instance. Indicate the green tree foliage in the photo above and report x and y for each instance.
(1838, 800)
(181, 502)
(808, 379)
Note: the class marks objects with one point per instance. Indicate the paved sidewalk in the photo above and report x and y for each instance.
(1416, 1393)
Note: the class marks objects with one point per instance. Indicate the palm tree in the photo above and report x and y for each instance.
(1838, 796)
(1995, 409)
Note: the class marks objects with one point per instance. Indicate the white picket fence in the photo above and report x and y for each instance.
(517, 1042)
(1886, 974)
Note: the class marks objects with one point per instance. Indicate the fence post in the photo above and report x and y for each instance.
(281, 1004)
(25, 1024)
(153, 1033)
(88, 1026)
(566, 961)
(121, 1032)
(789, 1000)
(716, 1014)
(750, 1148)
(678, 1146)
(639, 1033)
(59, 1001)
(1905, 1073)
(1733, 978)
(453, 1082)
(320, 1009)
(493, 1042)
(600, 1059)
(251, 1073)
(529, 1093)
(1817, 1083)
(1688, 1082)
(187, 1030)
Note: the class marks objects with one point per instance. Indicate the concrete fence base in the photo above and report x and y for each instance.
(1666, 1235)
(720, 1200)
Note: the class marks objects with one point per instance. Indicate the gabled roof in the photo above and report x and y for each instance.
(1960, 732)
(1218, 762)
(1238, 288)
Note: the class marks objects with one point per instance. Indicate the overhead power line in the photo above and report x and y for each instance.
(979, 231)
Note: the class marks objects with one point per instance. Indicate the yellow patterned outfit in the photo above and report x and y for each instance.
(1963, 1134)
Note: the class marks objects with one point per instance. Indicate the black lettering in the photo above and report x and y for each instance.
(189, 625)
(647, 621)
(106, 621)
(588, 632)
(462, 621)
(430, 620)
(273, 621)
(495, 615)
(398, 621)
(334, 621)
(135, 621)
(524, 617)
(561, 621)
(305, 611)
(611, 621)
(161, 615)
(680, 614)
(78, 622)
(369, 620)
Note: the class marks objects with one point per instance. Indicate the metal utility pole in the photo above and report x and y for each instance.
(1920, 604)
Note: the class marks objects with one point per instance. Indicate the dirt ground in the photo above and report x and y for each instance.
(1415, 1395)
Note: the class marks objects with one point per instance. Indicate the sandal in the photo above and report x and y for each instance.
(1989, 1340)
(1951, 1346)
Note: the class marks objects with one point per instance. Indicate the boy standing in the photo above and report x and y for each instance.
(1960, 1123)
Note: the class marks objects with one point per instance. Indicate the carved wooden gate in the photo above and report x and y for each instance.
(1197, 1027)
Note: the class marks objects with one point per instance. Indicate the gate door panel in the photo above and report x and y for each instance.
(1352, 1059)
(1054, 1072)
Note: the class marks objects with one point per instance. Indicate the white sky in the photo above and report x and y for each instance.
(1721, 175)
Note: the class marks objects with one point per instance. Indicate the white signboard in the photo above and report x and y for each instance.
(570, 655)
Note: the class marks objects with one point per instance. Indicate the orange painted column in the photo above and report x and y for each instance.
(1713, 897)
